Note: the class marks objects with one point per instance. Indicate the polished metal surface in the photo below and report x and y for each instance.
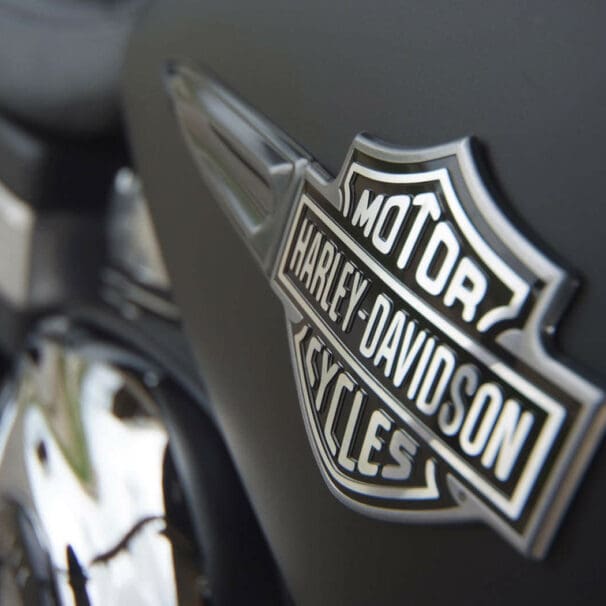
(251, 168)
(83, 458)
(135, 277)
(133, 246)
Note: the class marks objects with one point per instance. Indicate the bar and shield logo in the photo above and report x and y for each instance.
(419, 320)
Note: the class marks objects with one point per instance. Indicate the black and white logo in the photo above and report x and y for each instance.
(419, 321)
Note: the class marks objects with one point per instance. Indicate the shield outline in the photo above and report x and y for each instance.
(527, 344)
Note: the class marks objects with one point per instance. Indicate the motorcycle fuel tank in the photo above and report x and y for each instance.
(242, 119)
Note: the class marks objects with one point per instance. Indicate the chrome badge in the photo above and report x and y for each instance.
(418, 318)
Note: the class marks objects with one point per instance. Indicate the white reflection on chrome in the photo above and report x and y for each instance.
(93, 477)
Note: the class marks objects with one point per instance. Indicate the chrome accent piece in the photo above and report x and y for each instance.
(132, 241)
(136, 278)
(418, 318)
(84, 456)
(250, 167)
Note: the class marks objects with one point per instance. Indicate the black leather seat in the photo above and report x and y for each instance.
(60, 62)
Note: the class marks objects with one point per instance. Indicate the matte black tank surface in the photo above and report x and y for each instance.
(528, 83)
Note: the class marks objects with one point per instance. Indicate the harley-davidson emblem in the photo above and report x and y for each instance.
(419, 318)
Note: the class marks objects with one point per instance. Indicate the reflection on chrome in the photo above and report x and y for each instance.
(83, 460)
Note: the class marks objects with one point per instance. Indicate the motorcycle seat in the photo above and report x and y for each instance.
(60, 62)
